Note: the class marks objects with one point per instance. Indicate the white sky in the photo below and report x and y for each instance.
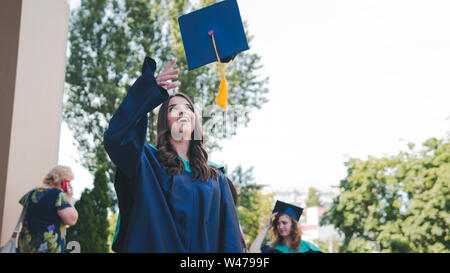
(348, 78)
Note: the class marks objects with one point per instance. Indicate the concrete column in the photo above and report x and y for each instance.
(33, 37)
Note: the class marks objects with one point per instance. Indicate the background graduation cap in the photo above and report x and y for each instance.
(289, 209)
(214, 33)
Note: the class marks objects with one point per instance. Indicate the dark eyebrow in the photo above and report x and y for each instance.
(170, 105)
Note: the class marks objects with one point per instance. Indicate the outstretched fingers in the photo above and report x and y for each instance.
(169, 66)
(164, 79)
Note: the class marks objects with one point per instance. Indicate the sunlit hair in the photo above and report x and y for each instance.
(234, 192)
(295, 234)
(168, 157)
(55, 177)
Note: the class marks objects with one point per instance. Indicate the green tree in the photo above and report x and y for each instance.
(112, 220)
(253, 207)
(396, 204)
(313, 198)
(108, 40)
(91, 230)
(331, 245)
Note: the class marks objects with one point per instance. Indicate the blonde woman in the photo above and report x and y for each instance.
(48, 209)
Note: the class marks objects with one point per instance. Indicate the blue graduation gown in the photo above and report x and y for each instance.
(160, 212)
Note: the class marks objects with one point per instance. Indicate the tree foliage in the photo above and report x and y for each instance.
(313, 198)
(91, 230)
(112, 220)
(396, 204)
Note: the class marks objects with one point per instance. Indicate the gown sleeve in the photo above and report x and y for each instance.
(230, 233)
(124, 140)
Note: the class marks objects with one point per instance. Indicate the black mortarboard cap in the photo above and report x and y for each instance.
(289, 209)
(224, 20)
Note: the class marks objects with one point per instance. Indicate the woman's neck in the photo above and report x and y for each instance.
(181, 147)
(287, 241)
(49, 187)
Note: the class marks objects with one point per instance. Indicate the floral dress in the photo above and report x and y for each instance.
(42, 229)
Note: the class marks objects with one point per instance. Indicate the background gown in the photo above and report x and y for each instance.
(305, 247)
(159, 212)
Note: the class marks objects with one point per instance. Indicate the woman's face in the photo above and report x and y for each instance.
(181, 118)
(284, 225)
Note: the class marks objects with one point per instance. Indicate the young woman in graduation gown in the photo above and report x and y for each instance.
(287, 237)
(170, 198)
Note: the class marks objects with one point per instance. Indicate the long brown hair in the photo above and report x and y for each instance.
(168, 157)
(295, 234)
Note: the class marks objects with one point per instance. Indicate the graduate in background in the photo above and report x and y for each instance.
(287, 235)
(170, 198)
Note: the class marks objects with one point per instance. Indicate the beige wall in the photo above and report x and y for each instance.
(10, 12)
(31, 99)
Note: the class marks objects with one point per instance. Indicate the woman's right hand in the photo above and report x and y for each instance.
(69, 193)
(69, 215)
(269, 221)
(168, 74)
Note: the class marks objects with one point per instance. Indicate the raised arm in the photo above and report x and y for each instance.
(65, 208)
(256, 245)
(124, 140)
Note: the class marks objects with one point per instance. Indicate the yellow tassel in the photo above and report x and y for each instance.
(222, 96)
